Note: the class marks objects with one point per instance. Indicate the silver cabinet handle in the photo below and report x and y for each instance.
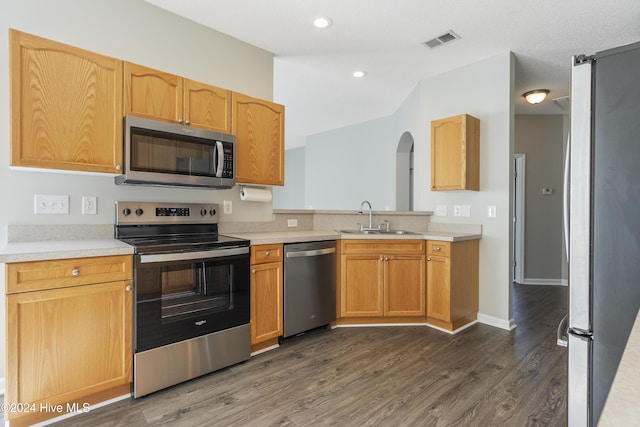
(188, 122)
(428, 259)
(267, 253)
(180, 120)
(253, 271)
(118, 167)
(75, 272)
(381, 258)
(386, 259)
(438, 248)
(128, 288)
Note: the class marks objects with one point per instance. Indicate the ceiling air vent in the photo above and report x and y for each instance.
(440, 40)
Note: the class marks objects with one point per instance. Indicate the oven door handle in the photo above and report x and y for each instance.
(193, 255)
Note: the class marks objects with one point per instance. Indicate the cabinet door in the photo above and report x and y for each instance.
(66, 106)
(66, 344)
(361, 286)
(259, 129)
(152, 94)
(266, 301)
(207, 106)
(455, 152)
(438, 288)
(404, 290)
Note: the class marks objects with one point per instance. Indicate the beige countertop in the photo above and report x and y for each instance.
(272, 237)
(38, 251)
(60, 249)
(622, 407)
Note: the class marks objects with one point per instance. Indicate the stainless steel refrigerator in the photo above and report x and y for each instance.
(604, 223)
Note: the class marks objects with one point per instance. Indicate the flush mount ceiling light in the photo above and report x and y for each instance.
(322, 22)
(358, 74)
(536, 96)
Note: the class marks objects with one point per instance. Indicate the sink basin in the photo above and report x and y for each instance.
(397, 232)
(355, 231)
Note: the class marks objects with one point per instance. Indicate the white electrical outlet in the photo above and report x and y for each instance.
(441, 210)
(491, 211)
(228, 206)
(292, 223)
(89, 205)
(457, 210)
(44, 204)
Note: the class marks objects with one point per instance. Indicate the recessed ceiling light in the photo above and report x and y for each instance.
(358, 74)
(322, 22)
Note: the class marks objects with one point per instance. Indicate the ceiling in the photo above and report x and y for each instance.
(313, 68)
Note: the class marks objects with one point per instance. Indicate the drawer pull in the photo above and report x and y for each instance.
(438, 248)
(381, 258)
(386, 259)
(428, 259)
(128, 288)
(253, 271)
(75, 272)
(267, 253)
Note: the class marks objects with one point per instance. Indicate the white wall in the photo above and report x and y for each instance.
(293, 197)
(136, 31)
(483, 90)
(346, 165)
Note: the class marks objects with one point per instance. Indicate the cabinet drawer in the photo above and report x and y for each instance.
(62, 273)
(266, 253)
(438, 248)
(387, 247)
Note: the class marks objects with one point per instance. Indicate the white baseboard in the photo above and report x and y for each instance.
(496, 322)
(551, 282)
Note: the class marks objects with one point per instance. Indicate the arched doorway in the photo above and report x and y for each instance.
(404, 173)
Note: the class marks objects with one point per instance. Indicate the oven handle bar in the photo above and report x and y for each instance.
(195, 255)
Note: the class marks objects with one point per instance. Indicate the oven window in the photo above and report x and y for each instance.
(163, 153)
(193, 289)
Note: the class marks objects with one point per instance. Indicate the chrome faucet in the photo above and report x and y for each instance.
(370, 212)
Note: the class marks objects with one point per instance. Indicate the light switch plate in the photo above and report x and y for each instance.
(441, 210)
(466, 210)
(292, 223)
(46, 204)
(491, 211)
(457, 210)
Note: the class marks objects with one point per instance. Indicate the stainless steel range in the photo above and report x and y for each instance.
(191, 292)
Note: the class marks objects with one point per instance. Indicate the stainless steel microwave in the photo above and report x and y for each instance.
(167, 154)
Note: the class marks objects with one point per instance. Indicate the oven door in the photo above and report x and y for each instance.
(188, 294)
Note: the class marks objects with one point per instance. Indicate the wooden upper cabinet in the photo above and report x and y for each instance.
(66, 106)
(259, 129)
(455, 153)
(158, 95)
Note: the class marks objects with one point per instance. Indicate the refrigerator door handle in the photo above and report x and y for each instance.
(579, 380)
(561, 334)
(565, 195)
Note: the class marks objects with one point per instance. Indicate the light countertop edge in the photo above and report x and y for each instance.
(621, 407)
(49, 250)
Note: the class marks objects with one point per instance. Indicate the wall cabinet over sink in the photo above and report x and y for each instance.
(158, 95)
(382, 278)
(66, 106)
(455, 153)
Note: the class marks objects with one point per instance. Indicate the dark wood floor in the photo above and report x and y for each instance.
(379, 376)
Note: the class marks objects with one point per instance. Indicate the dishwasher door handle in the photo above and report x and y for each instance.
(315, 252)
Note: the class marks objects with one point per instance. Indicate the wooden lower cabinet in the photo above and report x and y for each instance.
(67, 347)
(452, 283)
(382, 278)
(266, 295)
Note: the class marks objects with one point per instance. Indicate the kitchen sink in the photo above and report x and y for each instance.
(356, 231)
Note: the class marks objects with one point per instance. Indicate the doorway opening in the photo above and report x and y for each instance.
(404, 173)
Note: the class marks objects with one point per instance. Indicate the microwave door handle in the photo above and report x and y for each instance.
(219, 164)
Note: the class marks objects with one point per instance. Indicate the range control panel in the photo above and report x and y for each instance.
(136, 213)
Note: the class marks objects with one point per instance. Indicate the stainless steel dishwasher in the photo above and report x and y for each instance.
(309, 286)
